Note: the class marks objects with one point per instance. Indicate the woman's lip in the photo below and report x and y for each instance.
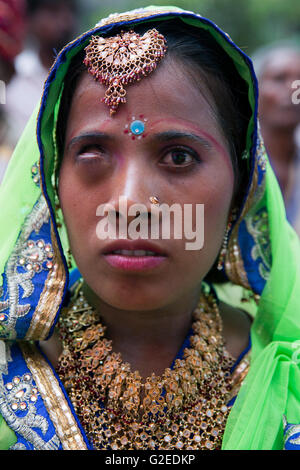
(133, 245)
(134, 263)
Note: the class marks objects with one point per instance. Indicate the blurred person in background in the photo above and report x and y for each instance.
(51, 24)
(277, 68)
(12, 31)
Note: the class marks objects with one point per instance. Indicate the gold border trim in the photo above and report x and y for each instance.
(65, 424)
(239, 374)
(50, 299)
(135, 14)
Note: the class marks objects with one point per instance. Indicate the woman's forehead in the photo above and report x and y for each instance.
(168, 92)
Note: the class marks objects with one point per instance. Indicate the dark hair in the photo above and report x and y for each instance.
(203, 58)
(32, 6)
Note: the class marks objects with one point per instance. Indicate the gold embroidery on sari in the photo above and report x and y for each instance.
(57, 406)
(15, 279)
(139, 13)
(258, 227)
(50, 298)
(20, 394)
(261, 154)
(33, 257)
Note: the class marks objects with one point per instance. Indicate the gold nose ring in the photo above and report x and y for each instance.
(154, 200)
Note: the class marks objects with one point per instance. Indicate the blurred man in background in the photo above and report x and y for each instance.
(51, 24)
(277, 70)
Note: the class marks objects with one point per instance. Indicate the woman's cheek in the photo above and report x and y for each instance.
(216, 212)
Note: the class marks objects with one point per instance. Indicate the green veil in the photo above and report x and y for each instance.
(263, 256)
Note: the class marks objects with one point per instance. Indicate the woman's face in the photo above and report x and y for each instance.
(182, 158)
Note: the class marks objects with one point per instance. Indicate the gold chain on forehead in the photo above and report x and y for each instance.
(123, 59)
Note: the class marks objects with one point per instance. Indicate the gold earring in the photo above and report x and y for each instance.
(69, 259)
(223, 251)
(224, 247)
(57, 210)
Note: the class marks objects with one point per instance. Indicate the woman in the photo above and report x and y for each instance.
(152, 107)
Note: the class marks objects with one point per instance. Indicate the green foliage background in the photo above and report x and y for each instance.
(250, 23)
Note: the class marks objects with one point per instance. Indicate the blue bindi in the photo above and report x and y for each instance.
(137, 127)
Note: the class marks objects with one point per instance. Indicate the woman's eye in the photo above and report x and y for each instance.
(180, 157)
(90, 151)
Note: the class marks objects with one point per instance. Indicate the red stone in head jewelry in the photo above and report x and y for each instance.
(123, 59)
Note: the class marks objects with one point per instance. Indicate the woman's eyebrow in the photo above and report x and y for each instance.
(88, 135)
(175, 135)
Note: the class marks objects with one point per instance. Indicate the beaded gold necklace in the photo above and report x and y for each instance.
(185, 408)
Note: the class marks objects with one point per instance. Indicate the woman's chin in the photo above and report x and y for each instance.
(129, 297)
(133, 302)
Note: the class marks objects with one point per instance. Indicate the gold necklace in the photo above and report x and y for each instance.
(185, 408)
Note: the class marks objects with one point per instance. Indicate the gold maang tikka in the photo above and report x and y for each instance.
(123, 59)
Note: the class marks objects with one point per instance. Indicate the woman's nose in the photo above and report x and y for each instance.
(131, 191)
